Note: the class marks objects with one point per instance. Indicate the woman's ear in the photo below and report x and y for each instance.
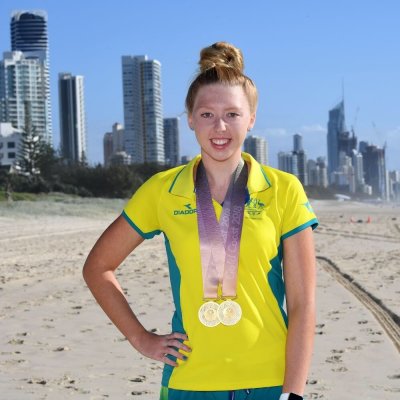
(190, 121)
(252, 122)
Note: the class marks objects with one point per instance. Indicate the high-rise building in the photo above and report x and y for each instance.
(143, 114)
(362, 146)
(257, 146)
(29, 35)
(171, 141)
(118, 137)
(72, 117)
(302, 172)
(394, 182)
(297, 143)
(107, 147)
(375, 170)
(323, 172)
(186, 159)
(287, 161)
(347, 143)
(22, 85)
(357, 161)
(336, 126)
(113, 146)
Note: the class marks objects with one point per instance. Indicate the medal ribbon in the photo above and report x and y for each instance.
(220, 242)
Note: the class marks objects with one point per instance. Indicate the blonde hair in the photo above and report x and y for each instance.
(222, 63)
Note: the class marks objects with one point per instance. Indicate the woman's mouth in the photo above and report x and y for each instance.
(219, 142)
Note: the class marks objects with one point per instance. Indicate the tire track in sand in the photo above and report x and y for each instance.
(389, 321)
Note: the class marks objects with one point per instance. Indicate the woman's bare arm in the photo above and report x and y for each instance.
(113, 246)
(300, 281)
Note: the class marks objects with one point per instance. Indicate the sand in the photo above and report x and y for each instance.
(56, 343)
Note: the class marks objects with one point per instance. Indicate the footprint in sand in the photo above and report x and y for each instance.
(316, 396)
(140, 378)
(16, 341)
(334, 359)
(340, 369)
(37, 381)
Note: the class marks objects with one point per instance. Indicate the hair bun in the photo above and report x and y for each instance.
(221, 54)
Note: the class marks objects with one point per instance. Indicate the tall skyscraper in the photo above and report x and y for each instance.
(143, 114)
(375, 169)
(72, 117)
(297, 143)
(287, 161)
(107, 147)
(171, 141)
(357, 161)
(29, 35)
(257, 147)
(336, 125)
(22, 85)
(118, 133)
(301, 159)
(322, 172)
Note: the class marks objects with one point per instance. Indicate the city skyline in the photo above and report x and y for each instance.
(297, 56)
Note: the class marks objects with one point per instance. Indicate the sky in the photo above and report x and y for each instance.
(301, 54)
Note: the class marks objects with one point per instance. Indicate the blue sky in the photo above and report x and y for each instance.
(297, 52)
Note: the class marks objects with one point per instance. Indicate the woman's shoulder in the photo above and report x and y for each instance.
(279, 178)
(162, 179)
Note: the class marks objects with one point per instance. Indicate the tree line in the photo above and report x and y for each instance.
(51, 173)
(40, 169)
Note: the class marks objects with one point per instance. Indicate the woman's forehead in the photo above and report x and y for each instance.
(220, 94)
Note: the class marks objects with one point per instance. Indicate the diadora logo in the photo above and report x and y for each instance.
(254, 208)
(188, 210)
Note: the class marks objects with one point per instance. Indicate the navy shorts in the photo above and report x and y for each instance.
(268, 393)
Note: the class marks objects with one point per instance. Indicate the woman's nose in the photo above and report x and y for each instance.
(220, 125)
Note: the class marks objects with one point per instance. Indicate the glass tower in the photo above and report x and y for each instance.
(72, 117)
(171, 141)
(29, 35)
(257, 147)
(336, 125)
(21, 84)
(143, 114)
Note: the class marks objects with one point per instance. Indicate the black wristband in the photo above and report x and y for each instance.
(293, 396)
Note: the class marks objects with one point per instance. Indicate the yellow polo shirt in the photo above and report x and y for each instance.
(251, 353)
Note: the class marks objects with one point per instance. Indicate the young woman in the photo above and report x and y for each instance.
(238, 236)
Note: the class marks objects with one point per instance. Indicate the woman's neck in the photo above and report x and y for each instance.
(219, 174)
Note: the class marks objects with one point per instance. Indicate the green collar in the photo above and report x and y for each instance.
(183, 184)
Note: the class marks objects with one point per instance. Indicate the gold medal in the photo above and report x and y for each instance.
(229, 312)
(208, 314)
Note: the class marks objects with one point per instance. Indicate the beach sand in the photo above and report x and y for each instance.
(56, 343)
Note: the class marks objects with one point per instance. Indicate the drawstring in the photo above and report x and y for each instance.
(232, 394)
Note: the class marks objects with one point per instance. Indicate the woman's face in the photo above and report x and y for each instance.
(221, 117)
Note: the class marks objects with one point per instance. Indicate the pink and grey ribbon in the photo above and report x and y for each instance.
(220, 242)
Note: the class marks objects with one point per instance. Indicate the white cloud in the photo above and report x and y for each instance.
(316, 128)
(276, 132)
